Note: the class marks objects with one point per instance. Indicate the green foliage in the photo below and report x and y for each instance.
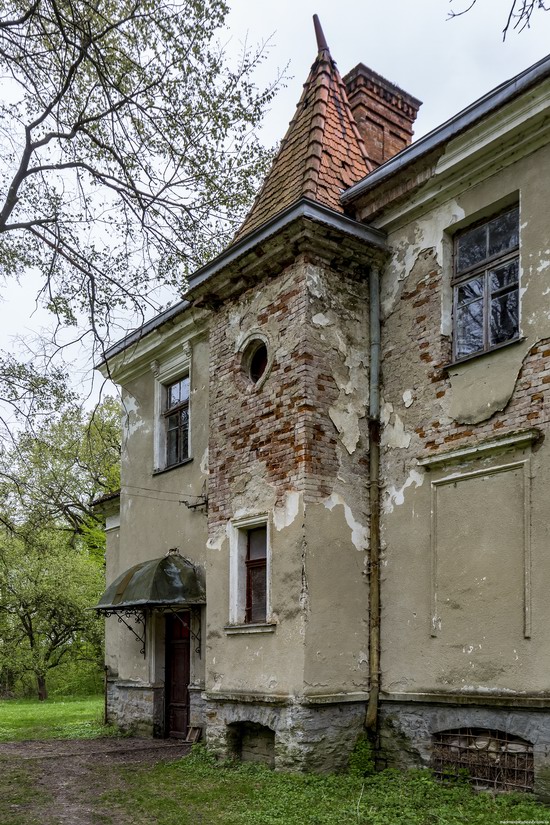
(46, 588)
(53, 473)
(77, 678)
(29, 392)
(22, 719)
(52, 548)
(361, 760)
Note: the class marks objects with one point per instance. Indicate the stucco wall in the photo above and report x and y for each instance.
(152, 518)
(464, 559)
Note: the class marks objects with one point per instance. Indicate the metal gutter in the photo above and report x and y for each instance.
(304, 208)
(371, 717)
(482, 107)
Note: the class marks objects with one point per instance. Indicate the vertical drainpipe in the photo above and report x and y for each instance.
(371, 719)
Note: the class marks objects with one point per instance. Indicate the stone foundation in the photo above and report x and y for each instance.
(197, 707)
(407, 728)
(136, 707)
(305, 737)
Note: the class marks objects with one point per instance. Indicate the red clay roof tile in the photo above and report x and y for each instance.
(321, 154)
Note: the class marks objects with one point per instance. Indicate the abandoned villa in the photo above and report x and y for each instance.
(334, 507)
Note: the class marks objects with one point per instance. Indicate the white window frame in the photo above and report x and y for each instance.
(166, 373)
(238, 542)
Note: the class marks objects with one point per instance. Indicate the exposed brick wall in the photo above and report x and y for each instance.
(424, 348)
(280, 433)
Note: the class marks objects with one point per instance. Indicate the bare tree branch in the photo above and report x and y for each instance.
(519, 13)
(128, 151)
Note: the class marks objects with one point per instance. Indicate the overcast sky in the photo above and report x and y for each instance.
(445, 63)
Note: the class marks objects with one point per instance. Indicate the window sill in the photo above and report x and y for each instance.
(263, 627)
(172, 466)
(476, 355)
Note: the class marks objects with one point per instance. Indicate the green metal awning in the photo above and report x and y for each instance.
(170, 581)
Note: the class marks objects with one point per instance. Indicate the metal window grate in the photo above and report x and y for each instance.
(487, 758)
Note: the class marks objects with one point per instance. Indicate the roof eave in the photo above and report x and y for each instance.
(145, 604)
(303, 208)
(451, 128)
(139, 333)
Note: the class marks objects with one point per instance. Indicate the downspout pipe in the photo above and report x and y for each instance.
(371, 720)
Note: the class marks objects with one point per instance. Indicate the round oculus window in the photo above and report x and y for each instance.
(255, 360)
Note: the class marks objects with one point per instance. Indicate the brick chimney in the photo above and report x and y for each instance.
(384, 113)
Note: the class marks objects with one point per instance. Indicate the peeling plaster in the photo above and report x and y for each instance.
(497, 691)
(484, 386)
(314, 283)
(344, 332)
(131, 418)
(359, 534)
(285, 515)
(395, 497)
(321, 320)
(346, 422)
(428, 233)
(252, 494)
(393, 432)
(204, 463)
(408, 398)
(352, 383)
(216, 541)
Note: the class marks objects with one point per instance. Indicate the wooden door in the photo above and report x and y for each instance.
(177, 673)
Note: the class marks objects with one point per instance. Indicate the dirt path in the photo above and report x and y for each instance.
(73, 774)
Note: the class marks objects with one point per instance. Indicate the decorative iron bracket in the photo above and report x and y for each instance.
(138, 616)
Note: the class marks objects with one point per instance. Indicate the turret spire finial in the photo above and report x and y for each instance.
(321, 42)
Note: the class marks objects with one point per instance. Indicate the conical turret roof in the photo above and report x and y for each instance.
(322, 152)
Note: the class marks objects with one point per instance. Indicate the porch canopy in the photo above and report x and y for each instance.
(170, 581)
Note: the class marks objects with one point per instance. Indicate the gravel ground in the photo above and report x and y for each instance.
(74, 774)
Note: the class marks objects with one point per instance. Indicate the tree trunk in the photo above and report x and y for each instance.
(42, 689)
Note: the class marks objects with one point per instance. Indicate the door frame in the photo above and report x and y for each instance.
(169, 645)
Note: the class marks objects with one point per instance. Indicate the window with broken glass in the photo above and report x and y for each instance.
(176, 416)
(256, 575)
(486, 286)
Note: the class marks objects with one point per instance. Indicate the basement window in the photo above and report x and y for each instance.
(486, 286)
(251, 742)
(487, 758)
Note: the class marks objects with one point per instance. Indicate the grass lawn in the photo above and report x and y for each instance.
(21, 801)
(80, 718)
(196, 791)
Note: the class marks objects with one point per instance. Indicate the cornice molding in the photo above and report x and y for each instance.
(518, 440)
